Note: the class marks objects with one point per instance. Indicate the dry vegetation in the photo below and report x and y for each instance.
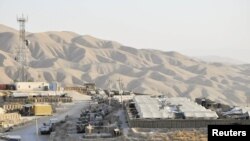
(188, 136)
(168, 135)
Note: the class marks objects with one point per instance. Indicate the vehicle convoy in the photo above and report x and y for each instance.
(49, 127)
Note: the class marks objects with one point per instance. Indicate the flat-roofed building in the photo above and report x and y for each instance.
(31, 86)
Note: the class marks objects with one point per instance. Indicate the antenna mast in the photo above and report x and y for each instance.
(21, 50)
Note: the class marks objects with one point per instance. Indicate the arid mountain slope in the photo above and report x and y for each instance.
(70, 58)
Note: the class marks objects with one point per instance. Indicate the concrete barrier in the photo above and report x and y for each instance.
(12, 107)
(10, 118)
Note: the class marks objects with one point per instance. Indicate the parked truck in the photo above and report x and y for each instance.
(37, 110)
(49, 127)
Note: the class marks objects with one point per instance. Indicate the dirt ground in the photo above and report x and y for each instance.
(167, 134)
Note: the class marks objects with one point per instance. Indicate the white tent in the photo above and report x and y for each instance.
(149, 107)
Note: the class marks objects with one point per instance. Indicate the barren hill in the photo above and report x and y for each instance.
(70, 58)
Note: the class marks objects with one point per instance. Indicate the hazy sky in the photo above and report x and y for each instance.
(192, 27)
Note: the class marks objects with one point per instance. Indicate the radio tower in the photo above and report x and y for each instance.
(21, 50)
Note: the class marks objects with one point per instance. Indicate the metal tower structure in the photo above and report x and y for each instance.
(21, 50)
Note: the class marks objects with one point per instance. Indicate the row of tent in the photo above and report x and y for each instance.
(151, 107)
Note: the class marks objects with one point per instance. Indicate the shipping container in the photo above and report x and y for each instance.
(3, 86)
(10, 87)
(42, 110)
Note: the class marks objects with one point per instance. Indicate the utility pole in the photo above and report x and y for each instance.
(120, 89)
(37, 130)
(36, 127)
(109, 86)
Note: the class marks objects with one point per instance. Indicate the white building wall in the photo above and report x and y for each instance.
(31, 86)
